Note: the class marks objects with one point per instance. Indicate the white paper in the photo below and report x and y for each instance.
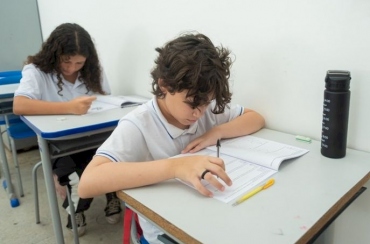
(249, 162)
(103, 103)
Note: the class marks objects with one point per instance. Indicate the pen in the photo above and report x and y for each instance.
(218, 147)
(269, 183)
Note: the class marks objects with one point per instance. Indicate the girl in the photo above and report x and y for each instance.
(61, 79)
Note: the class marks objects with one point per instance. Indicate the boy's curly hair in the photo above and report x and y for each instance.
(68, 40)
(191, 62)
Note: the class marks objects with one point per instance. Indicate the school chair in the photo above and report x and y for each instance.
(70, 203)
(11, 121)
(132, 232)
(6, 121)
(60, 148)
(18, 131)
(10, 77)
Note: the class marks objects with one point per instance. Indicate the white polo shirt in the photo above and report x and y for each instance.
(36, 84)
(145, 135)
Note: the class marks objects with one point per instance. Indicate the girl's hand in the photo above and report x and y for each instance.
(81, 105)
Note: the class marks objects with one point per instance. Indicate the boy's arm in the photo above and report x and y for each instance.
(102, 175)
(26, 106)
(245, 124)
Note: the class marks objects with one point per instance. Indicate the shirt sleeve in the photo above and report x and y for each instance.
(29, 84)
(230, 113)
(125, 144)
(105, 84)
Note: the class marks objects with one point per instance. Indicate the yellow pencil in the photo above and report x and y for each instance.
(269, 183)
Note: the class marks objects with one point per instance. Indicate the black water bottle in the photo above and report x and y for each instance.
(335, 114)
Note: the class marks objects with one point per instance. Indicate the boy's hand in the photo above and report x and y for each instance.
(81, 105)
(191, 168)
(207, 139)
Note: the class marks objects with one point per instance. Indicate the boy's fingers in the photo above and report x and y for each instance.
(200, 188)
(218, 171)
(214, 182)
(189, 147)
(217, 164)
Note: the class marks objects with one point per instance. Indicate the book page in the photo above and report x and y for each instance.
(98, 106)
(244, 175)
(249, 162)
(259, 151)
(132, 100)
(106, 102)
(109, 99)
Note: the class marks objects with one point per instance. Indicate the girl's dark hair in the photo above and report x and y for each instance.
(191, 62)
(69, 40)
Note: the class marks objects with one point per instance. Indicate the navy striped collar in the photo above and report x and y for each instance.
(172, 130)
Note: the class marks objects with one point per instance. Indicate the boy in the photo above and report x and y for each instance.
(189, 112)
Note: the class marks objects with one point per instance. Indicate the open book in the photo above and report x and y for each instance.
(109, 101)
(249, 161)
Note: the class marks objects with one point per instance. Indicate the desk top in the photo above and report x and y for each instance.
(308, 191)
(54, 127)
(7, 91)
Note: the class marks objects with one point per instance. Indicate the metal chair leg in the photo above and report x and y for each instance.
(16, 165)
(7, 125)
(36, 192)
(73, 219)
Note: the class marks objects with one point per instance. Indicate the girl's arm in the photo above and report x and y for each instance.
(26, 106)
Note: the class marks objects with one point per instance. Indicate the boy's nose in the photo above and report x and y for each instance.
(197, 113)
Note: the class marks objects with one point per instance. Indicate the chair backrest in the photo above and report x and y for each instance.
(131, 228)
(10, 77)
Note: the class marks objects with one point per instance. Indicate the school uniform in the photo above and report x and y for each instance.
(145, 135)
(35, 84)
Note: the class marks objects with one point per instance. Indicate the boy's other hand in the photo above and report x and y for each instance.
(207, 139)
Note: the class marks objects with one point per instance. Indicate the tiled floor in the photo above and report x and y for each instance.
(17, 225)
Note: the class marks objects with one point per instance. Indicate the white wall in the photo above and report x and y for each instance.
(282, 48)
(20, 32)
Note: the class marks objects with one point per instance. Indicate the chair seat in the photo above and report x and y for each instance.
(20, 131)
(12, 118)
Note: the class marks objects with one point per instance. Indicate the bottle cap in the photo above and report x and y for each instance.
(337, 80)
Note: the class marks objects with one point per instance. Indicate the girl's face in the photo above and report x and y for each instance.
(179, 113)
(70, 65)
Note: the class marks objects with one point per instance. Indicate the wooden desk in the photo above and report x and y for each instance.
(62, 127)
(308, 193)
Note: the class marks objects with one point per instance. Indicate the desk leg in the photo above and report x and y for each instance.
(7, 183)
(339, 212)
(49, 182)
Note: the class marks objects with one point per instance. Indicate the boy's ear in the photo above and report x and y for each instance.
(161, 85)
(160, 82)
